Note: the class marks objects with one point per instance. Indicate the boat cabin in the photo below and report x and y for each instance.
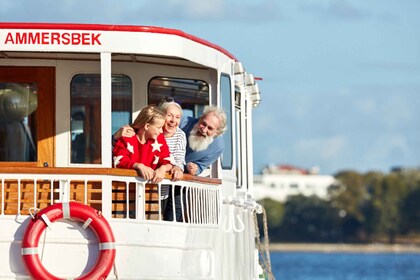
(66, 88)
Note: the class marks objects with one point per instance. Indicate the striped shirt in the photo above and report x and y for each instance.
(177, 146)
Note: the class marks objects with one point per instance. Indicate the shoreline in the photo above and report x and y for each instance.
(341, 247)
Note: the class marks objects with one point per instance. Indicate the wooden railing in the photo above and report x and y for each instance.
(118, 193)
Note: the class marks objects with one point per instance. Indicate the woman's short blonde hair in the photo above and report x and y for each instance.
(148, 114)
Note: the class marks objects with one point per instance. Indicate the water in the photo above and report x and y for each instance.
(345, 266)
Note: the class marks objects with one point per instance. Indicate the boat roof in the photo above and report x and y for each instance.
(113, 28)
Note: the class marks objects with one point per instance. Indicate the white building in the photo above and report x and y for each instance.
(279, 182)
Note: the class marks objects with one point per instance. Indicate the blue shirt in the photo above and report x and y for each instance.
(204, 158)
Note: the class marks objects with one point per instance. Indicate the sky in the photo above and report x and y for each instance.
(340, 78)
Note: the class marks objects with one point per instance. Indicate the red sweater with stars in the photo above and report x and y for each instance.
(128, 151)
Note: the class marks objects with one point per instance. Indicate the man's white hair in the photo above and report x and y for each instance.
(220, 114)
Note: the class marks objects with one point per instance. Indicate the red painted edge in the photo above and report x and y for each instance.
(107, 27)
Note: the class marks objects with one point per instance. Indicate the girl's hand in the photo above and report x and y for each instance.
(146, 172)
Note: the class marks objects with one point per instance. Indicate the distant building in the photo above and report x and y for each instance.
(280, 181)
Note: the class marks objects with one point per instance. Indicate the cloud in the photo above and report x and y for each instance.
(364, 127)
(216, 10)
(337, 9)
(322, 148)
(391, 66)
(95, 11)
(141, 12)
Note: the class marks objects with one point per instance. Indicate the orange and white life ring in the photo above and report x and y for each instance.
(74, 211)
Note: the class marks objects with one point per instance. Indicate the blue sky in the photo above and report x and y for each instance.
(341, 78)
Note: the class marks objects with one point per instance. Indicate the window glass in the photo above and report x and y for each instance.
(246, 144)
(192, 95)
(85, 123)
(226, 98)
(18, 137)
(238, 134)
(122, 105)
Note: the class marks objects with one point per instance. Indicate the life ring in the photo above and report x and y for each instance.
(74, 211)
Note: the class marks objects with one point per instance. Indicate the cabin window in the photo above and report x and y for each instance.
(238, 134)
(85, 122)
(226, 103)
(192, 95)
(18, 137)
(244, 142)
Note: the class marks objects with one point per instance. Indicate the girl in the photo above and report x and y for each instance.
(147, 150)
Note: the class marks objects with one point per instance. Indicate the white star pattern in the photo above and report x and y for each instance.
(171, 159)
(156, 161)
(130, 148)
(117, 160)
(156, 146)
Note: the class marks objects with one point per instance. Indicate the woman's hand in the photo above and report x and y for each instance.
(159, 175)
(146, 172)
(177, 173)
(126, 131)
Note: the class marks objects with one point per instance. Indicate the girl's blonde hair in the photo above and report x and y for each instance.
(148, 114)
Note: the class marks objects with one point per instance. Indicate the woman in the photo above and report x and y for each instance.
(146, 149)
(177, 143)
(174, 136)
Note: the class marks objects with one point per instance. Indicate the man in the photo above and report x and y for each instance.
(204, 146)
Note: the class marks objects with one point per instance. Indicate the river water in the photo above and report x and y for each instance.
(345, 266)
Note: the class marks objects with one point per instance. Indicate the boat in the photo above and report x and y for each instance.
(65, 212)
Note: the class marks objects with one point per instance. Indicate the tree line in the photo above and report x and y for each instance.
(362, 208)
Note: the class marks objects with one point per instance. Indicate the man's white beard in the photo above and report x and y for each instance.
(198, 142)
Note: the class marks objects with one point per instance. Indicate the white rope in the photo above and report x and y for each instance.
(264, 259)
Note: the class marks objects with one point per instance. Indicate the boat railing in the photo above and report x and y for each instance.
(117, 193)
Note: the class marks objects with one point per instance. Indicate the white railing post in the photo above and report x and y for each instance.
(64, 190)
(2, 196)
(106, 197)
(140, 201)
(106, 108)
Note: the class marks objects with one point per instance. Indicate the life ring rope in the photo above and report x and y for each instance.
(72, 211)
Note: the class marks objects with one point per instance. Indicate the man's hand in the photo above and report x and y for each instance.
(192, 168)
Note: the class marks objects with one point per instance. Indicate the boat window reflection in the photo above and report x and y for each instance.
(85, 119)
(226, 96)
(18, 137)
(191, 94)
